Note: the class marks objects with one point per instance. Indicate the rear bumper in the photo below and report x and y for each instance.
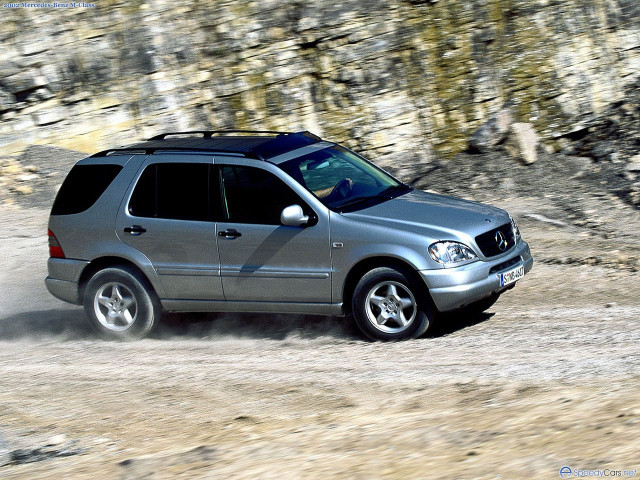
(64, 277)
(63, 290)
(453, 288)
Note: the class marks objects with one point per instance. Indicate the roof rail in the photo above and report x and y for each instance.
(209, 133)
(271, 146)
(152, 150)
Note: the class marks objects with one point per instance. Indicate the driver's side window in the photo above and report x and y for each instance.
(253, 195)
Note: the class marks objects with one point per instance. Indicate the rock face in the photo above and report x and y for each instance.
(33, 178)
(401, 81)
(491, 133)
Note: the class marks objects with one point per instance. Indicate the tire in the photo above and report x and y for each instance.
(120, 304)
(377, 308)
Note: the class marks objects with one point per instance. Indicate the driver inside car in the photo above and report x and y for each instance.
(339, 190)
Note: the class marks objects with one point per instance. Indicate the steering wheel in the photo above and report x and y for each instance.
(341, 189)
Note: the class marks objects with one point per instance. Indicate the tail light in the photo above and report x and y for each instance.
(55, 250)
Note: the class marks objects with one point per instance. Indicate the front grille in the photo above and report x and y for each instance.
(504, 265)
(488, 244)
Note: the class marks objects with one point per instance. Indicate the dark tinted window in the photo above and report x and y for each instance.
(173, 190)
(82, 188)
(256, 196)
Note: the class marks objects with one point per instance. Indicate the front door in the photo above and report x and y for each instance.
(261, 259)
(169, 217)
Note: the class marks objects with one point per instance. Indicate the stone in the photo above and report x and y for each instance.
(52, 77)
(26, 177)
(106, 102)
(56, 440)
(603, 150)
(40, 452)
(544, 219)
(565, 146)
(47, 117)
(492, 132)
(634, 164)
(8, 115)
(7, 100)
(11, 169)
(34, 46)
(522, 143)
(8, 68)
(23, 189)
(23, 81)
(43, 94)
(134, 468)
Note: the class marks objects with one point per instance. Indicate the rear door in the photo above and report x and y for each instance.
(168, 215)
(261, 259)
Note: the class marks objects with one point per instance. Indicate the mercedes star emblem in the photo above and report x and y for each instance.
(501, 241)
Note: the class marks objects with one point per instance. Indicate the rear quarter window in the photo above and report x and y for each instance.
(82, 188)
(179, 191)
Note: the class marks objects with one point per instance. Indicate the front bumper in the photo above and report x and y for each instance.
(453, 288)
(64, 277)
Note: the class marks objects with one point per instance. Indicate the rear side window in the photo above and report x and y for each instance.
(253, 195)
(177, 191)
(82, 188)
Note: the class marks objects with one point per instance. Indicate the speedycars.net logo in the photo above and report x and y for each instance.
(568, 472)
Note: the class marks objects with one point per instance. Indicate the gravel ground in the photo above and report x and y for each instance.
(547, 377)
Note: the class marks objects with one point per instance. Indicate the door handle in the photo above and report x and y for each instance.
(229, 233)
(135, 230)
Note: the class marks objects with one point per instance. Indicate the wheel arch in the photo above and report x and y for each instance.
(365, 265)
(101, 263)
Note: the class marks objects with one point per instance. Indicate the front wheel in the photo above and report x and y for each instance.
(120, 304)
(386, 306)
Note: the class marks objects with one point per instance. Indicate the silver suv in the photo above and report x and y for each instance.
(253, 221)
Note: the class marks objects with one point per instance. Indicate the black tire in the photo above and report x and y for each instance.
(143, 313)
(364, 309)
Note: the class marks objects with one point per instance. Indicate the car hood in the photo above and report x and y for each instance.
(438, 216)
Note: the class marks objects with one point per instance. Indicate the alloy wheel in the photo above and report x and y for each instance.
(115, 306)
(391, 307)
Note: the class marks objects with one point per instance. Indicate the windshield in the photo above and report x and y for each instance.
(340, 179)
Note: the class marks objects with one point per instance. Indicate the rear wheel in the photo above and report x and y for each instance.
(387, 306)
(120, 304)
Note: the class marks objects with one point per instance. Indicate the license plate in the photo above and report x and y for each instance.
(511, 276)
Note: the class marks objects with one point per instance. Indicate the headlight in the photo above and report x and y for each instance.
(514, 225)
(451, 252)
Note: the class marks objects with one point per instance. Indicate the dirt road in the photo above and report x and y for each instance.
(548, 377)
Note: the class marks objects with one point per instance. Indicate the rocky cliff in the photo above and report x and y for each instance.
(401, 81)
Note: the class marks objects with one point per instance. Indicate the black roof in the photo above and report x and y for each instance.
(249, 143)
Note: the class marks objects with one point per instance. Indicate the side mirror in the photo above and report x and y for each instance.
(293, 216)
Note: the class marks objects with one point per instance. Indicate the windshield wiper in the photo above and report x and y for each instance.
(353, 202)
(386, 194)
(393, 189)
